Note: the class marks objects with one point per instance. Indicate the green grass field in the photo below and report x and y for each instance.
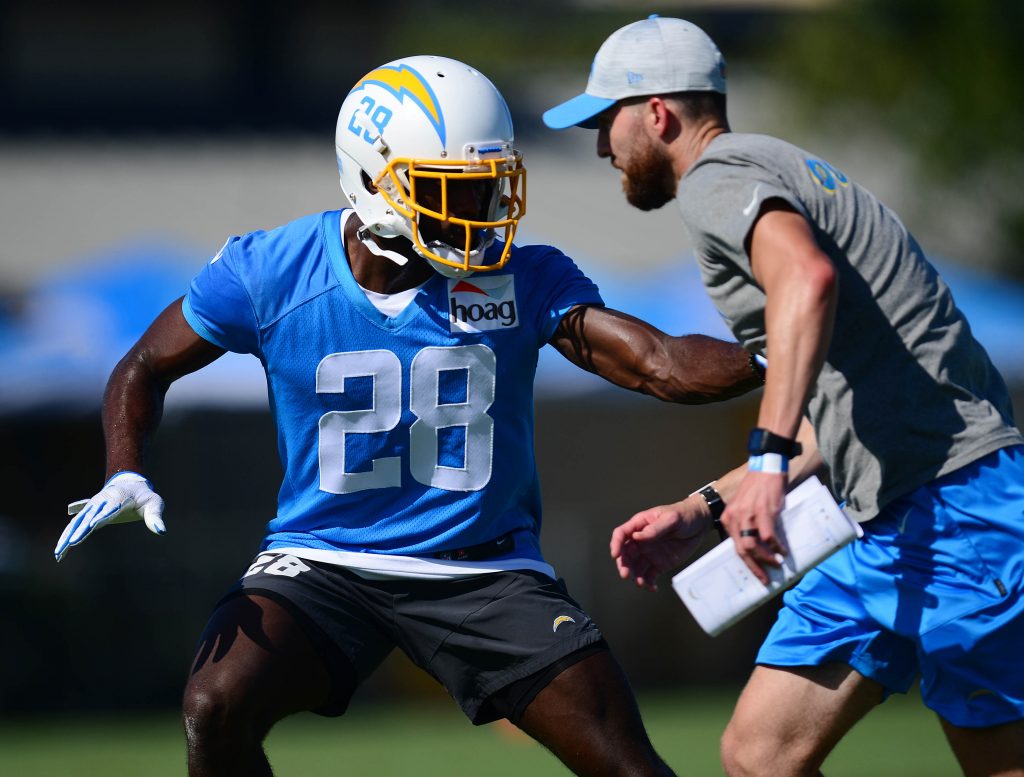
(432, 739)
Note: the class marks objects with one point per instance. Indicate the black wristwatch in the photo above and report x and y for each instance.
(762, 441)
(717, 506)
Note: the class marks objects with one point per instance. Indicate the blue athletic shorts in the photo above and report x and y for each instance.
(934, 588)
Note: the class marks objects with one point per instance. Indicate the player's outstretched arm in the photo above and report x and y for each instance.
(132, 406)
(691, 369)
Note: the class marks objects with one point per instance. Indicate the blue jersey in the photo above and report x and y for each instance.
(405, 435)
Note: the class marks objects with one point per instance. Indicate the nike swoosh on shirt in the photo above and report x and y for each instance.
(753, 201)
(220, 252)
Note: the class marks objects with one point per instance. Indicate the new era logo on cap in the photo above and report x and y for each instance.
(482, 304)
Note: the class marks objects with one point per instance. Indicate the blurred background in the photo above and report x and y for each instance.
(134, 138)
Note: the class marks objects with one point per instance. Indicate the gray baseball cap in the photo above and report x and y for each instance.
(654, 56)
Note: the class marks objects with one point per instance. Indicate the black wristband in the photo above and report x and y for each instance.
(762, 441)
(756, 367)
(717, 506)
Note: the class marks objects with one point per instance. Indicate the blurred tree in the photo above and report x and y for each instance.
(946, 75)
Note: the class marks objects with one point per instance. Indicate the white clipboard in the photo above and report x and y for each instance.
(719, 589)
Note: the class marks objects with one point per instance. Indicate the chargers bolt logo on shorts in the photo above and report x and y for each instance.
(560, 620)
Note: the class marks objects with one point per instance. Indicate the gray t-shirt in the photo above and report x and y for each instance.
(906, 393)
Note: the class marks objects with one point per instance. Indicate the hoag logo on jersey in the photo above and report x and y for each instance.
(481, 304)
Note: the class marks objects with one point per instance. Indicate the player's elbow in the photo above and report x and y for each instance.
(136, 371)
(136, 363)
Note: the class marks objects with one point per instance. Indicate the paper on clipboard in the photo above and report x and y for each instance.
(719, 590)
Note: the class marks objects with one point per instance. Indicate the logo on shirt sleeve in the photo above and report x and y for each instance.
(826, 176)
(482, 304)
(220, 253)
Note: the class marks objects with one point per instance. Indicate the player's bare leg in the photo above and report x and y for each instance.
(587, 716)
(787, 720)
(254, 667)
(997, 751)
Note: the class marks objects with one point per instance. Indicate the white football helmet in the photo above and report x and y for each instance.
(408, 133)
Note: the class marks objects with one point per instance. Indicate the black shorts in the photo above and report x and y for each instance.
(492, 640)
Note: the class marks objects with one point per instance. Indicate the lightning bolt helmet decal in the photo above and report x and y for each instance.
(404, 81)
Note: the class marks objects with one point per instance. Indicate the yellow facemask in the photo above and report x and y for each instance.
(405, 182)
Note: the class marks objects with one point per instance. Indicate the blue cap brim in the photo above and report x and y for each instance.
(580, 111)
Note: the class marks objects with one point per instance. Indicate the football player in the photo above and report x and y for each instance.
(400, 337)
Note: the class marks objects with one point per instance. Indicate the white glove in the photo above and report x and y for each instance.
(127, 496)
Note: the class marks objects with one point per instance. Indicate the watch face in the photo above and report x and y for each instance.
(756, 441)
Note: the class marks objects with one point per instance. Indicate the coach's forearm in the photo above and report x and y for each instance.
(801, 286)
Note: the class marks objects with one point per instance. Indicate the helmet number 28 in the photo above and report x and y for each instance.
(378, 115)
(476, 362)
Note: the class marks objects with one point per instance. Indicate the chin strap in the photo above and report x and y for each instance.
(366, 238)
(445, 251)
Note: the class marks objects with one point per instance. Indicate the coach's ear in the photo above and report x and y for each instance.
(658, 115)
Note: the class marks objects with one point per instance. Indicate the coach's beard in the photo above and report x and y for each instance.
(649, 181)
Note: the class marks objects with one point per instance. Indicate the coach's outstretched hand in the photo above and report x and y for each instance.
(659, 539)
(127, 496)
